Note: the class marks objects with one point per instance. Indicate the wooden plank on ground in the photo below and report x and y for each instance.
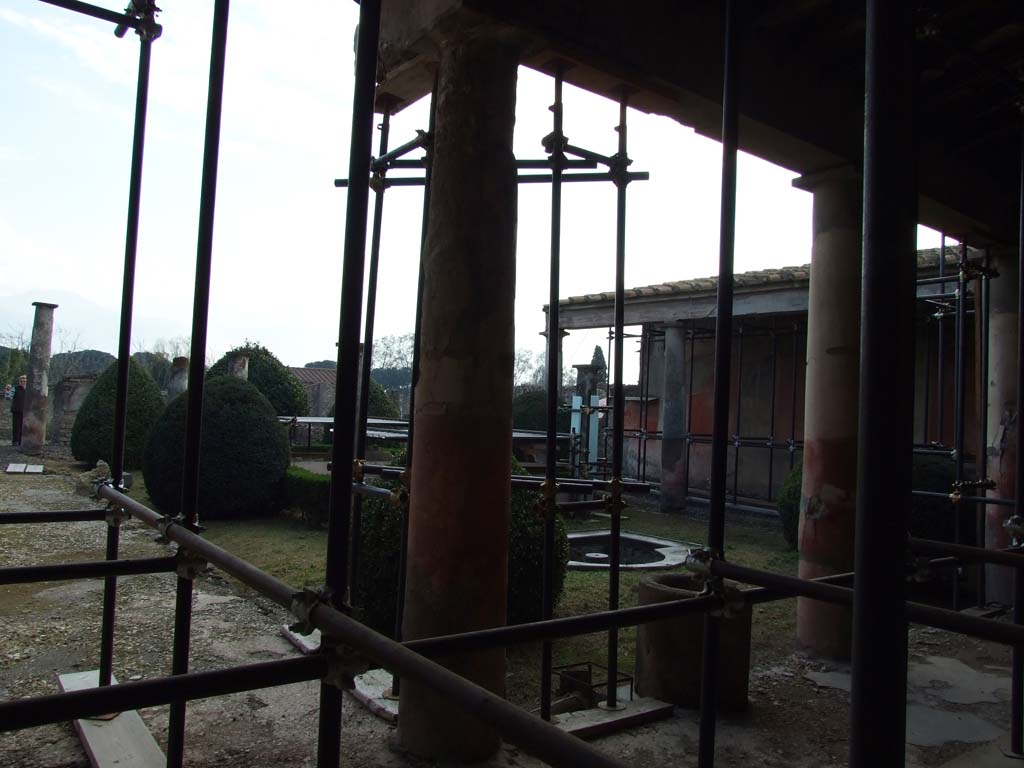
(16, 469)
(123, 741)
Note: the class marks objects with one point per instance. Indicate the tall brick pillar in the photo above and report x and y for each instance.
(458, 527)
(828, 494)
(1002, 417)
(33, 428)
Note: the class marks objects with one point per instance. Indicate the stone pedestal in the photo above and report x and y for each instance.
(178, 382)
(828, 494)
(669, 653)
(1002, 417)
(458, 529)
(33, 434)
(238, 366)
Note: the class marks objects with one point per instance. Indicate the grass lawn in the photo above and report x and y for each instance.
(294, 553)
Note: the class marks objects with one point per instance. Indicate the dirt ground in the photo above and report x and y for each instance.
(54, 628)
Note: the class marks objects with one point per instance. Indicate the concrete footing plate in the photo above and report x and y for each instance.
(123, 741)
(594, 723)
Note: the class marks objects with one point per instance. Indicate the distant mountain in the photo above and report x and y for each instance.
(322, 364)
(78, 363)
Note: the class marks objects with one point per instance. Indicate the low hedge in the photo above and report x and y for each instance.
(375, 589)
(788, 503)
(308, 494)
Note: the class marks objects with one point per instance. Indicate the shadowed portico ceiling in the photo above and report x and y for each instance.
(801, 75)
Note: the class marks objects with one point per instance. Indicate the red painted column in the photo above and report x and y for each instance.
(827, 503)
(1002, 417)
(458, 527)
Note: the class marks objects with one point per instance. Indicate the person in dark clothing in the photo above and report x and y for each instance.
(18, 408)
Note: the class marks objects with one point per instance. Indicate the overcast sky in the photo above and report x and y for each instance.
(67, 86)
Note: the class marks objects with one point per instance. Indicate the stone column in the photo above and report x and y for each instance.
(238, 366)
(33, 434)
(673, 421)
(1002, 416)
(458, 528)
(178, 382)
(828, 495)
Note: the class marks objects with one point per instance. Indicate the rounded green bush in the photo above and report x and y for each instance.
(243, 453)
(92, 435)
(375, 590)
(788, 502)
(269, 376)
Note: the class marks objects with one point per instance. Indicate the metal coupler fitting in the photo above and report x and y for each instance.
(343, 663)
(302, 605)
(1015, 527)
(698, 561)
(116, 514)
(190, 565)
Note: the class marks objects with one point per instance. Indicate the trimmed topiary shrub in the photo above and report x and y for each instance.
(529, 411)
(788, 502)
(92, 436)
(375, 591)
(243, 449)
(269, 376)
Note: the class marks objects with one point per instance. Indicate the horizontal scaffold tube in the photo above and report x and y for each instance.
(53, 516)
(1013, 558)
(60, 707)
(28, 574)
(532, 734)
(984, 629)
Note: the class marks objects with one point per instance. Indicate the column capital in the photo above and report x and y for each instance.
(812, 180)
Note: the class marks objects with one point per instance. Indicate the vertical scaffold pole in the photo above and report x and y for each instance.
(615, 502)
(367, 358)
(773, 374)
(886, 430)
(197, 366)
(722, 380)
(981, 323)
(131, 242)
(556, 147)
(940, 373)
(739, 415)
(959, 403)
(1017, 671)
(350, 321)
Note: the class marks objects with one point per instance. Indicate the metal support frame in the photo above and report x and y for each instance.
(1017, 666)
(554, 144)
(878, 686)
(722, 381)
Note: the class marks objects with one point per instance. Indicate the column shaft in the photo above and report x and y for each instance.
(827, 498)
(457, 568)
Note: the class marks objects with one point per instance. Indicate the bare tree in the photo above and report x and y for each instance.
(390, 352)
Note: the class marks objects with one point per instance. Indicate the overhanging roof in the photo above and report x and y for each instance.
(801, 73)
